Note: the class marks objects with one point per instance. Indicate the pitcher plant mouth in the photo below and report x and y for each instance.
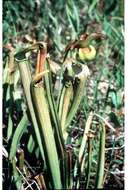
(41, 47)
(36, 46)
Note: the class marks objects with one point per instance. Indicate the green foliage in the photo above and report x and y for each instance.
(61, 109)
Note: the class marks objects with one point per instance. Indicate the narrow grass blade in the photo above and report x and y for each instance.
(101, 160)
(84, 138)
(60, 106)
(5, 72)
(17, 136)
(14, 145)
(73, 17)
(31, 144)
(89, 162)
(81, 157)
(10, 127)
(8, 90)
(92, 6)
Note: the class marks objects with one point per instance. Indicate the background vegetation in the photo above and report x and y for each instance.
(59, 22)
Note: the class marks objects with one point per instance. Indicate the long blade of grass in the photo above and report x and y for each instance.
(31, 144)
(73, 17)
(81, 157)
(89, 162)
(17, 136)
(10, 127)
(84, 138)
(101, 160)
(92, 6)
(14, 145)
(8, 90)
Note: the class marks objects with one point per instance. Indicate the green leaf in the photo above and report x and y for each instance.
(31, 144)
(43, 118)
(52, 107)
(17, 136)
(25, 72)
(73, 17)
(10, 127)
(79, 92)
(101, 160)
